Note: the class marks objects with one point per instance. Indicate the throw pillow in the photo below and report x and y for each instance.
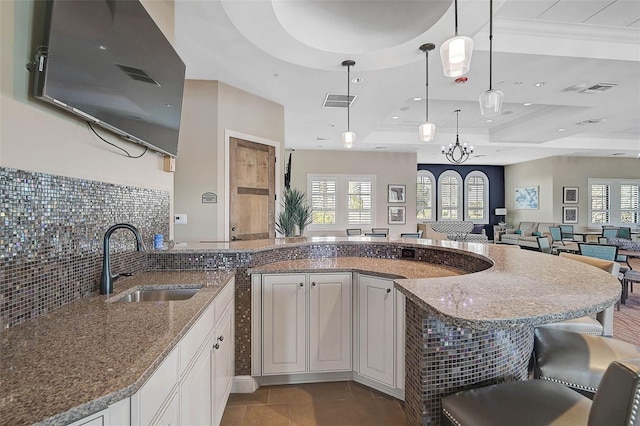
(517, 231)
(537, 234)
(477, 229)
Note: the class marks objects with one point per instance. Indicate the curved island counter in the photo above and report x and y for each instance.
(467, 329)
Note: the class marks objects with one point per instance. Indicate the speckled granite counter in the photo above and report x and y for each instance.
(88, 354)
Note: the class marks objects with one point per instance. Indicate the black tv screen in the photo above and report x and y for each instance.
(108, 62)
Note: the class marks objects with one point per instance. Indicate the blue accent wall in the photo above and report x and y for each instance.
(496, 186)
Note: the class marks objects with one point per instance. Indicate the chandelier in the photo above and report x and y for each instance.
(457, 153)
(348, 137)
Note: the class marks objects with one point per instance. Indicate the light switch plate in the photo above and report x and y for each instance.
(180, 219)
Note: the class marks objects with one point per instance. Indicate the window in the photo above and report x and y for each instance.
(450, 196)
(426, 195)
(359, 202)
(323, 201)
(477, 197)
(341, 201)
(614, 202)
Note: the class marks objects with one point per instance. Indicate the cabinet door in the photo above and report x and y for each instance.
(223, 358)
(283, 324)
(169, 416)
(195, 390)
(329, 322)
(375, 327)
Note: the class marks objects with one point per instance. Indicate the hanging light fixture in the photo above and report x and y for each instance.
(457, 153)
(456, 52)
(427, 130)
(491, 100)
(348, 137)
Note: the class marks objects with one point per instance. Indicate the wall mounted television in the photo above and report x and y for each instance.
(108, 62)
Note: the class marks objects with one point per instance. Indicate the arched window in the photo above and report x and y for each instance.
(425, 200)
(450, 196)
(476, 198)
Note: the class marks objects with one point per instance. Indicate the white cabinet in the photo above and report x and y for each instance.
(306, 323)
(192, 385)
(118, 414)
(380, 334)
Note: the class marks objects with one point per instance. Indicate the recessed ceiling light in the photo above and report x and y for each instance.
(102, 47)
(357, 80)
(562, 130)
(539, 84)
(332, 125)
(417, 99)
(489, 121)
(517, 83)
(395, 117)
(528, 103)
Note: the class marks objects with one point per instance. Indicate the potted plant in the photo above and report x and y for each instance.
(296, 213)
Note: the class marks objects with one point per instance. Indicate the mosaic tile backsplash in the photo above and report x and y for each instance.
(51, 238)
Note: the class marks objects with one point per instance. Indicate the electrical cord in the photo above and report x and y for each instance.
(146, 148)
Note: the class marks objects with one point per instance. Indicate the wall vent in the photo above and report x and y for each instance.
(333, 100)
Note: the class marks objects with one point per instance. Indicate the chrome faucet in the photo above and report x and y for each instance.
(106, 280)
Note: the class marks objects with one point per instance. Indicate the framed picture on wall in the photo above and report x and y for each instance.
(397, 215)
(396, 193)
(570, 215)
(570, 194)
(527, 198)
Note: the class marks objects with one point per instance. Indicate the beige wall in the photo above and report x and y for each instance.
(552, 174)
(388, 167)
(211, 110)
(37, 137)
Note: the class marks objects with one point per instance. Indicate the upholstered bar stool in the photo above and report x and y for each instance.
(538, 402)
(577, 360)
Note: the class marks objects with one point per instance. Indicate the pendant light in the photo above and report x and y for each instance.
(348, 137)
(456, 52)
(491, 100)
(427, 130)
(457, 153)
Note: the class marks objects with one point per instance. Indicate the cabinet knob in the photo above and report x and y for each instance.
(220, 338)
(216, 346)
(388, 290)
(313, 284)
(301, 284)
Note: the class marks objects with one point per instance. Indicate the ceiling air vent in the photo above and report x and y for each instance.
(138, 74)
(590, 121)
(600, 87)
(337, 101)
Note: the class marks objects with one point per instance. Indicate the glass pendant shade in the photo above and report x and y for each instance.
(427, 132)
(455, 54)
(348, 139)
(491, 103)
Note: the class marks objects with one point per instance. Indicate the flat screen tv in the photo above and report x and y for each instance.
(108, 62)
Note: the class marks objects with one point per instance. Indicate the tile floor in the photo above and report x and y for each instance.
(335, 404)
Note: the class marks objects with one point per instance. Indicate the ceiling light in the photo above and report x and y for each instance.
(539, 84)
(427, 130)
(456, 52)
(489, 121)
(348, 137)
(357, 80)
(562, 130)
(457, 153)
(395, 117)
(417, 99)
(528, 103)
(491, 100)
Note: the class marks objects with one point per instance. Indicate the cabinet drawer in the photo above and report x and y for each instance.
(196, 337)
(224, 298)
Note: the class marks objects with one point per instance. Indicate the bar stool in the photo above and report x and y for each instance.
(630, 277)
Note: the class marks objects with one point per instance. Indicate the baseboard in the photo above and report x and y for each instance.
(244, 384)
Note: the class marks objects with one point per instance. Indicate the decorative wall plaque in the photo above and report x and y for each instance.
(209, 198)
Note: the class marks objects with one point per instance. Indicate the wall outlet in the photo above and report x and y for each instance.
(180, 219)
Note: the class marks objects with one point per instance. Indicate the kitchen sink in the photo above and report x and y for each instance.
(158, 295)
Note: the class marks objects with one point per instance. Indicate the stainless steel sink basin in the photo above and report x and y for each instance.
(158, 295)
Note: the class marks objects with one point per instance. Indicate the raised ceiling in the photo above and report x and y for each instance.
(547, 54)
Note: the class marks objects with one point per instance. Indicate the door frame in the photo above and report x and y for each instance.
(228, 134)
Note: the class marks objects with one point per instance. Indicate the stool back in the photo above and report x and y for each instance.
(616, 402)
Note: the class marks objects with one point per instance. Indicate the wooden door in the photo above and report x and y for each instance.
(252, 168)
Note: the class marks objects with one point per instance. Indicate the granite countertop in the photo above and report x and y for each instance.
(81, 357)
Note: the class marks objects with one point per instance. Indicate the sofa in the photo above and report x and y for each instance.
(456, 230)
(526, 234)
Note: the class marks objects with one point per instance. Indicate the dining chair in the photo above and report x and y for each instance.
(354, 231)
(542, 402)
(543, 245)
(556, 235)
(609, 232)
(601, 251)
(624, 233)
(384, 231)
(567, 232)
(410, 235)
